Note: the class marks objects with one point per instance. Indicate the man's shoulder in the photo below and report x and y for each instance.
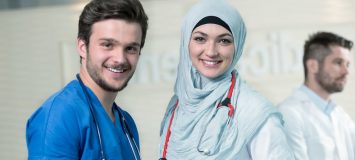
(296, 102)
(67, 96)
(56, 121)
(63, 101)
(339, 110)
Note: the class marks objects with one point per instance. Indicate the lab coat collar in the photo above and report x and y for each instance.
(326, 106)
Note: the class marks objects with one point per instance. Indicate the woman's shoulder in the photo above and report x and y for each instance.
(251, 96)
(252, 105)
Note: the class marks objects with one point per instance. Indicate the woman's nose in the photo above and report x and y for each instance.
(211, 49)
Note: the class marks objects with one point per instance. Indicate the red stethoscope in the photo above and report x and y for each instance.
(225, 102)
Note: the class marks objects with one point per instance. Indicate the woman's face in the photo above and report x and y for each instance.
(211, 49)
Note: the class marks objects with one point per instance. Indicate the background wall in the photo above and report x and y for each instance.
(38, 57)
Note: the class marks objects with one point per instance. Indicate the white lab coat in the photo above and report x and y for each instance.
(317, 132)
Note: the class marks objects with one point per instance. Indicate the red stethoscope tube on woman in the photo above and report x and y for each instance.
(225, 102)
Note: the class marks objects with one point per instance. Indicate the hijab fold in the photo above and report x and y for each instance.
(200, 130)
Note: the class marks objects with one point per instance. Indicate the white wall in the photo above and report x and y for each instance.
(38, 56)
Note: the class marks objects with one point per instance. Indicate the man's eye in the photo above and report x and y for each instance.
(132, 49)
(107, 45)
(338, 62)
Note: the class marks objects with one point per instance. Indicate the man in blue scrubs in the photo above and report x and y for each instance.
(82, 121)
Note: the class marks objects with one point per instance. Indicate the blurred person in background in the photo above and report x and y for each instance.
(214, 114)
(82, 121)
(318, 128)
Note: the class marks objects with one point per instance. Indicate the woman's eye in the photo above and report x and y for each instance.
(225, 41)
(199, 39)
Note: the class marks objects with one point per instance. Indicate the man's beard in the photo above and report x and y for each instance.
(99, 80)
(328, 83)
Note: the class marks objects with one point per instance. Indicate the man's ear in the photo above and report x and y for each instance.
(312, 65)
(81, 47)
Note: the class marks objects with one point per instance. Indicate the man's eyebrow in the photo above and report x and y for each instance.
(115, 41)
(108, 39)
(225, 34)
(135, 44)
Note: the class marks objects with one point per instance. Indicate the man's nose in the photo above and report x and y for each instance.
(346, 69)
(119, 56)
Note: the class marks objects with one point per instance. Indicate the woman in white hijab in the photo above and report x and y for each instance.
(214, 114)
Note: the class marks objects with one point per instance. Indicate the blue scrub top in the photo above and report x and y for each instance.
(63, 128)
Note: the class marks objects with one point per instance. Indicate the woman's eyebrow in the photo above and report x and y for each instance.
(225, 34)
(200, 32)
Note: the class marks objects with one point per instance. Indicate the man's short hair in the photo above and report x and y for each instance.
(98, 10)
(318, 47)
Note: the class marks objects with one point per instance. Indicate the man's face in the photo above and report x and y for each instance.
(113, 53)
(332, 73)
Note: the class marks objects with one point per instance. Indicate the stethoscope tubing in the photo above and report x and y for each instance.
(128, 134)
(226, 102)
(129, 137)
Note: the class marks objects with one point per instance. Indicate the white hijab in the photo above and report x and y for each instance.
(199, 129)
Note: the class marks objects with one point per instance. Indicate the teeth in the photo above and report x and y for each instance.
(115, 70)
(210, 62)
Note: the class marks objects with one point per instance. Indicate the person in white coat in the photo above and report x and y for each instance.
(214, 114)
(316, 127)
